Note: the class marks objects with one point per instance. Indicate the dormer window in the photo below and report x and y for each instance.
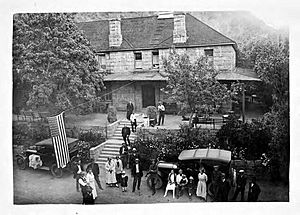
(138, 60)
(155, 60)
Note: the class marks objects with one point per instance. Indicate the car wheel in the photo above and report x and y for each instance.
(158, 180)
(56, 172)
(21, 162)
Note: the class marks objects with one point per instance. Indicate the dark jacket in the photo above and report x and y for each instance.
(241, 181)
(125, 131)
(253, 192)
(75, 170)
(94, 167)
(125, 150)
(133, 170)
(223, 191)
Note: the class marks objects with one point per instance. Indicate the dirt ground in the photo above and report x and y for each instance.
(40, 187)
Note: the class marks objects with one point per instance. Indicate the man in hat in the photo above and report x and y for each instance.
(124, 154)
(77, 169)
(216, 180)
(181, 181)
(224, 189)
(133, 156)
(95, 169)
(191, 187)
(137, 174)
(124, 180)
(161, 113)
(240, 183)
(126, 134)
(254, 190)
(129, 109)
(153, 175)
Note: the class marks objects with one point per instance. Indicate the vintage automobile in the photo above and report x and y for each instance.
(44, 151)
(191, 160)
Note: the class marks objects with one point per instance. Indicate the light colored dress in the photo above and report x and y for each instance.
(201, 187)
(110, 172)
(91, 181)
(171, 182)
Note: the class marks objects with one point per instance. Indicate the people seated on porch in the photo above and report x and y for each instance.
(171, 183)
(133, 122)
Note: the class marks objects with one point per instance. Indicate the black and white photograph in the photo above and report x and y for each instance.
(150, 106)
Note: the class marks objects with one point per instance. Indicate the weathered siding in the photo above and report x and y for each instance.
(224, 58)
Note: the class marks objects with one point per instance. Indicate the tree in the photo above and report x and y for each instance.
(53, 60)
(194, 83)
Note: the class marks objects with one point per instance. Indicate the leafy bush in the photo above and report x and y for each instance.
(111, 114)
(168, 144)
(28, 134)
(92, 137)
(151, 112)
(248, 140)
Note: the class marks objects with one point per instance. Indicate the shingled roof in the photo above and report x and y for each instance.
(151, 33)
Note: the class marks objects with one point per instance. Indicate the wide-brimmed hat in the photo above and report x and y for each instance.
(191, 178)
(241, 171)
(123, 172)
(133, 149)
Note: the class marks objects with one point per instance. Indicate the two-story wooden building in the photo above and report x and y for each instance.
(131, 51)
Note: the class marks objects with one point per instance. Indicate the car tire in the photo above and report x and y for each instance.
(21, 162)
(56, 172)
(159, 182)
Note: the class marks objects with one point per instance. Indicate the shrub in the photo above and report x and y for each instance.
(94, 138)
(111, 114)
(168, 144)
(151, 112)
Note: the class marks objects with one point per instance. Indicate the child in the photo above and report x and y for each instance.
(190, 187)
(124, 180)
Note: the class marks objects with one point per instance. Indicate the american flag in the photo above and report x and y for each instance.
(59, 140)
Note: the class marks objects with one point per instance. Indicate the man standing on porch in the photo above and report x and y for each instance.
(129, 109)
(161, 113)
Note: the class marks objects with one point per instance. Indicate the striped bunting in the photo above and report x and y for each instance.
(59, 140)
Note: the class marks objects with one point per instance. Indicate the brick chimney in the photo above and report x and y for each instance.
(115, 35)
(179, 32)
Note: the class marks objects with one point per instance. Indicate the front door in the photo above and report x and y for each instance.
(148, 95)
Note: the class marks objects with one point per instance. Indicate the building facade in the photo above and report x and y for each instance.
(131, 52)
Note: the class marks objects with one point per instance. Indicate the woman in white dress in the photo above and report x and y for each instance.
(110, 172)
(91, 181)
(201, 187)
(171, 183)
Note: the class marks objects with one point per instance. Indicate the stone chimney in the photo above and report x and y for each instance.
(179, 32)
(115, 35)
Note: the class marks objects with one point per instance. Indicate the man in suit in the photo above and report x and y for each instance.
(241, 184)
(161, 113)
(137, 174)
(254, 190)
(126, 134)
(77, 169)
(95, 169)
(124, 154)
(224, 188)
(153, 175)
(129, 109)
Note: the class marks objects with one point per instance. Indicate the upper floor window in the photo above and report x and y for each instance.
(138, 60)
(209, 52)
(155, 59)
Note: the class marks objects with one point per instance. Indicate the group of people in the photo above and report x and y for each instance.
(131, 116)
(86, 180)
(220, 185)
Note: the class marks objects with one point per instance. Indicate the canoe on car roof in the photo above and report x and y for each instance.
(219, 155)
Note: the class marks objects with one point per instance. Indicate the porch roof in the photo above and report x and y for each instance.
(136, 76)
(239, 74)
